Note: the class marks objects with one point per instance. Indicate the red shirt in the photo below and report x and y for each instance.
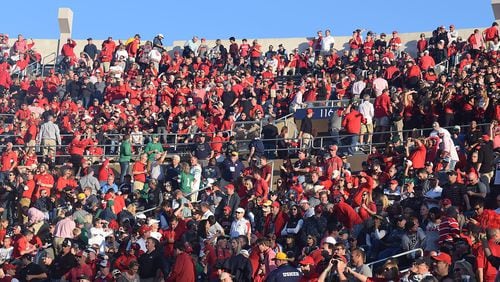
(482, 262)
(8, 159)
(488, 219)
(352, 122)
(139, 167)
(45, 179)
(346, 215)
(417, 157)
(382, 106)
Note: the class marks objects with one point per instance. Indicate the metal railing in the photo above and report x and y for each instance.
(438, 67)
(46, 61)
(371, 264)
(319, 142)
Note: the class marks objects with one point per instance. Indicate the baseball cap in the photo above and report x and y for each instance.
(227, 209)
(144, 228)
(444, 257)
(304, 202)
(229, 186)
(281, 256)
(486, 137)
(394, 181)
(309, 111)
(8, 266)
(446, 202)
(152, 221)
(276, 204)
(67, 243)
(307, 260)
(240, 210)
(234, 153)
(330, 240)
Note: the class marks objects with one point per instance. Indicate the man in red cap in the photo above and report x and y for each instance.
(306, 129)
(232, 200)
(307, 268)
(144, 232)
(275, 221)
(81, 268)
(441, 265)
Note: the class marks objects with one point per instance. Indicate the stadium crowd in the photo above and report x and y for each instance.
(69, 213)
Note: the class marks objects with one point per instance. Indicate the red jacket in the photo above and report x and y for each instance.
(183, 269)
(346, 215)
(352, 122)
(5, 80)
(68, 49)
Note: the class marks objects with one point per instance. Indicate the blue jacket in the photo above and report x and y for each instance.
(284, 273)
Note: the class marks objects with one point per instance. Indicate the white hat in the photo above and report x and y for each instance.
(240, 210)
(330, 240)
(156, 235)
(141, 216)
(160, 35)
(245, 253)
(152, 221)
(304, 202)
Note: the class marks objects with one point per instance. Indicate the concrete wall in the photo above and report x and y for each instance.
(48, 46)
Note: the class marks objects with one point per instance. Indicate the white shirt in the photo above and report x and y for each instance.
(98, 236)
(156, 171)
(240, 227)
(206, 214)
(379, 84)
(142, 243)
(358, 87)
(327, 43)
(196, 172)
(367, 110)
(154, 56)
(121, 53)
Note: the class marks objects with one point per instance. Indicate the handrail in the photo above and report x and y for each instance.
(370, 264)
(51, 61)
(445, 63)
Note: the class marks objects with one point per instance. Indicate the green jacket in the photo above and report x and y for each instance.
(151, 148)
(125, 151)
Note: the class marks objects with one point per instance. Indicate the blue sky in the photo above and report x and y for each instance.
(179, 20)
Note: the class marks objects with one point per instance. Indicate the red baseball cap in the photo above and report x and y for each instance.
(227, 209)
(486, 137)
(276, 204)
(310, 111)
(144, 228)
(446, 202)
(444, 257)
(394, 181)
(230, 186)
(8, 266)
(307, 261)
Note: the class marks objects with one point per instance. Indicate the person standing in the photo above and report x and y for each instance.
(306, 129)
(352, 125)
(8, 161)
(284, 271)
(48, 137)
(125, 156)
(368, 112)
(183, 268)
(90, 49)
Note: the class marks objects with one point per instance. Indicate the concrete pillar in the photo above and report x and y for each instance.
(495, 5)
(65, 18)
